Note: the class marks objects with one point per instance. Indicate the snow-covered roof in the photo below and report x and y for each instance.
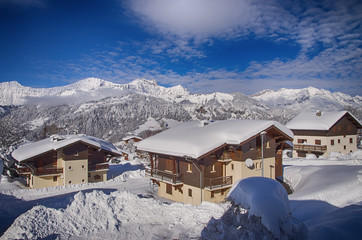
(131, 137)
(314, 121)
(194, 139)
(56, 142)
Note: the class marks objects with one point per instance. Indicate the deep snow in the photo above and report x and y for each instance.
(327, 198)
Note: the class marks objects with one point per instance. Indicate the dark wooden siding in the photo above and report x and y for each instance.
(76, 151)
(47, 160)
(95, 156)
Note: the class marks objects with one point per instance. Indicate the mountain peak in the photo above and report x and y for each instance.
(143, 81)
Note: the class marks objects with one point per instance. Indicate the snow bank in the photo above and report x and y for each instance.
(267, 199)
(118, 215)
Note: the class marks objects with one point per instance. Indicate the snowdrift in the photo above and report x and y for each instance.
(260, 210)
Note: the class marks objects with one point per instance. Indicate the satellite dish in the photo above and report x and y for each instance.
(249, 162)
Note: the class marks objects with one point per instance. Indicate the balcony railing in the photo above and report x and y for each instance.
(218, 183)
(48, 171)
(310, 148)
(164, 176)
(98, 167)
(21, 170)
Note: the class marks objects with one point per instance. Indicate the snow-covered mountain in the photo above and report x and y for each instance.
(109, 110)
(307, 99)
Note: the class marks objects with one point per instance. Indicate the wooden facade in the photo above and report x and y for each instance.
(210, 177)
(76, 163)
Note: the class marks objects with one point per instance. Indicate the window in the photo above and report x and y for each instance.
(344, 147)
(317, 142)
(332, 142)
(89, 175)
(302, 140)
(168, 188)
(268, 144)
(55, 178)
(190, 192)
(189, 168)
(82, 180)
(232, 166)
(213, 168)
(351, 140)
(251, 146)
(83, 167)
(339, 140)
(212, 195)
(70, 182)
(70, 167)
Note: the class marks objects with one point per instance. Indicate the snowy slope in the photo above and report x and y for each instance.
(307, 99)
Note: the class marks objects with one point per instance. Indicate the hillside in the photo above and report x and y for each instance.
(111, 111)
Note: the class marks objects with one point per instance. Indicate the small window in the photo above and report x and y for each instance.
(332, 142)
(82, 180)
(70, 182)
(70, 167)
(344, 147)
(268, 144)
(189, 168)
(302, 140)
(351, 140)
(190, 192)
(89, 175)
(83, 167)
(212, 194)
(55, 178)
(168, 188)
(232, 166)
(339, 140)
(317, 142)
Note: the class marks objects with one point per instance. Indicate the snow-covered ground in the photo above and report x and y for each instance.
(327, 198)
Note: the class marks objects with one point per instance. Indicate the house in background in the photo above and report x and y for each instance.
(133, 139)
(194, 162)
(321, 133)
(62, 160)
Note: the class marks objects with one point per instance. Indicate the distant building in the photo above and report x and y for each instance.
(62, 160)
(200, 161)
(131, 138)
(321, 133)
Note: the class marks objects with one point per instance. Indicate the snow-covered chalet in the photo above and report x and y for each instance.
(321, 133)
(200, 161)
(62, 160)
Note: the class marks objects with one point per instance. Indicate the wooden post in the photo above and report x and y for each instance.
(174, 170)
(151, 165)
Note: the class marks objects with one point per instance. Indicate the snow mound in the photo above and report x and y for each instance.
(267, 199)
(118, 215)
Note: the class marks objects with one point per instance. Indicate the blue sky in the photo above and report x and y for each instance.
(204, 45)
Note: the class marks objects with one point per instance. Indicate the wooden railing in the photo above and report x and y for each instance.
(99, 166)
(48, 171)
(219, 182)
(310, 148)
(21, 170)
(163, 176)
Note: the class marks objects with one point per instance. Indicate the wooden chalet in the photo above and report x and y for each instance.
(62, 160)
(195, 162)
(321, 133)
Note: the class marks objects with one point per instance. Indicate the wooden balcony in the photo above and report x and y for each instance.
(218, 183)
(164, 176)
(98, 167)
(48, 171)
(22, 170)
(310, 148)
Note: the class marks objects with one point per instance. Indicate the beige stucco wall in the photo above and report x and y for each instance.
(42, 182)
(326, 140)
(242, 171)
(75, 171)
(102, 174)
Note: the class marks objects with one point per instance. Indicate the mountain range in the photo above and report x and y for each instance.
(111, 111)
